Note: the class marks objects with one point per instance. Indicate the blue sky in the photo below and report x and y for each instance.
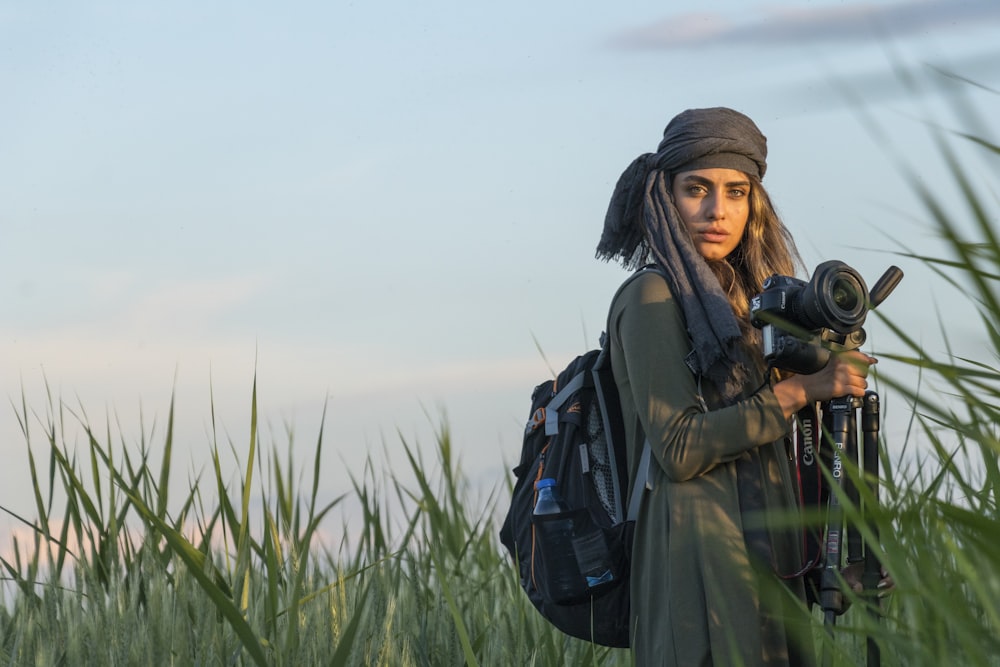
(378, 207)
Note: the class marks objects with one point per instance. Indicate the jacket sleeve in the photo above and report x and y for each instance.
(686, 439)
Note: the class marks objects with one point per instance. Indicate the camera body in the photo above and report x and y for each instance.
(802, 322)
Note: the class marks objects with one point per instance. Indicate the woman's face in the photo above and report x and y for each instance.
(714, 205)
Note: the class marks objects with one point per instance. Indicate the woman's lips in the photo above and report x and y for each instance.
(713, 235)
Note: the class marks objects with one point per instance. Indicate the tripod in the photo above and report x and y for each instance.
(802, 324)
(840, 420)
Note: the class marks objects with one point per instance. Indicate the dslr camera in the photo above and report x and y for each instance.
(803, 322)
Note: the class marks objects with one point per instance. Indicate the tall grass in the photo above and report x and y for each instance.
(939, 518)
(122, 574)
(243, 569)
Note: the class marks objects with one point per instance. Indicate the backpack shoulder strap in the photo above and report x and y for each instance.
(641, 482)
(605, 357)
(642, 472)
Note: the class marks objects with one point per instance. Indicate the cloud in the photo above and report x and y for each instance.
(857, 22)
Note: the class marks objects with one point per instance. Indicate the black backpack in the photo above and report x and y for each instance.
(575, 434)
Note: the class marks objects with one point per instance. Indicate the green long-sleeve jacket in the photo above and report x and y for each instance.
(697, 599)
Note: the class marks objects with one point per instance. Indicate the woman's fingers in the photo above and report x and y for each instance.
(852, 372)
(885, 585)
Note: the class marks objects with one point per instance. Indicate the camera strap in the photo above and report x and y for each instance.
(809, 479)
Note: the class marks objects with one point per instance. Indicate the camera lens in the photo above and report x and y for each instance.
(844, 295)
(834, 298)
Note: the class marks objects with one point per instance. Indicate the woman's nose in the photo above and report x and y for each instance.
(715, 207)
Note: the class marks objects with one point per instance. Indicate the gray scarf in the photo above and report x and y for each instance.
(643, 219)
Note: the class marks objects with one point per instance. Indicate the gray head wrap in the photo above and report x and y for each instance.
(707, 138)
(642, 221)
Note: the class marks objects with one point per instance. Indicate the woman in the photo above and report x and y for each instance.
(693, 383)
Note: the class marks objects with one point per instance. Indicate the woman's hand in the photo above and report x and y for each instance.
(855, 571)
(853, 574)
(846, 374)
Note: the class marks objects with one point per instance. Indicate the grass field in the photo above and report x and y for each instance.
(232, 573)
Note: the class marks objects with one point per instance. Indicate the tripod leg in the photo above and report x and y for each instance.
(855, 551)
(831, 596)
(870, 412)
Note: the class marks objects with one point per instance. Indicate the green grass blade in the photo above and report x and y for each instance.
(196, 565)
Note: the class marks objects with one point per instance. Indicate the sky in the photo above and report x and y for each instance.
(387, 210)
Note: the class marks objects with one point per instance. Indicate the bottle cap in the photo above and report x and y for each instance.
(545, 483)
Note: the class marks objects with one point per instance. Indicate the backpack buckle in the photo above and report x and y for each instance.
(537, 419)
